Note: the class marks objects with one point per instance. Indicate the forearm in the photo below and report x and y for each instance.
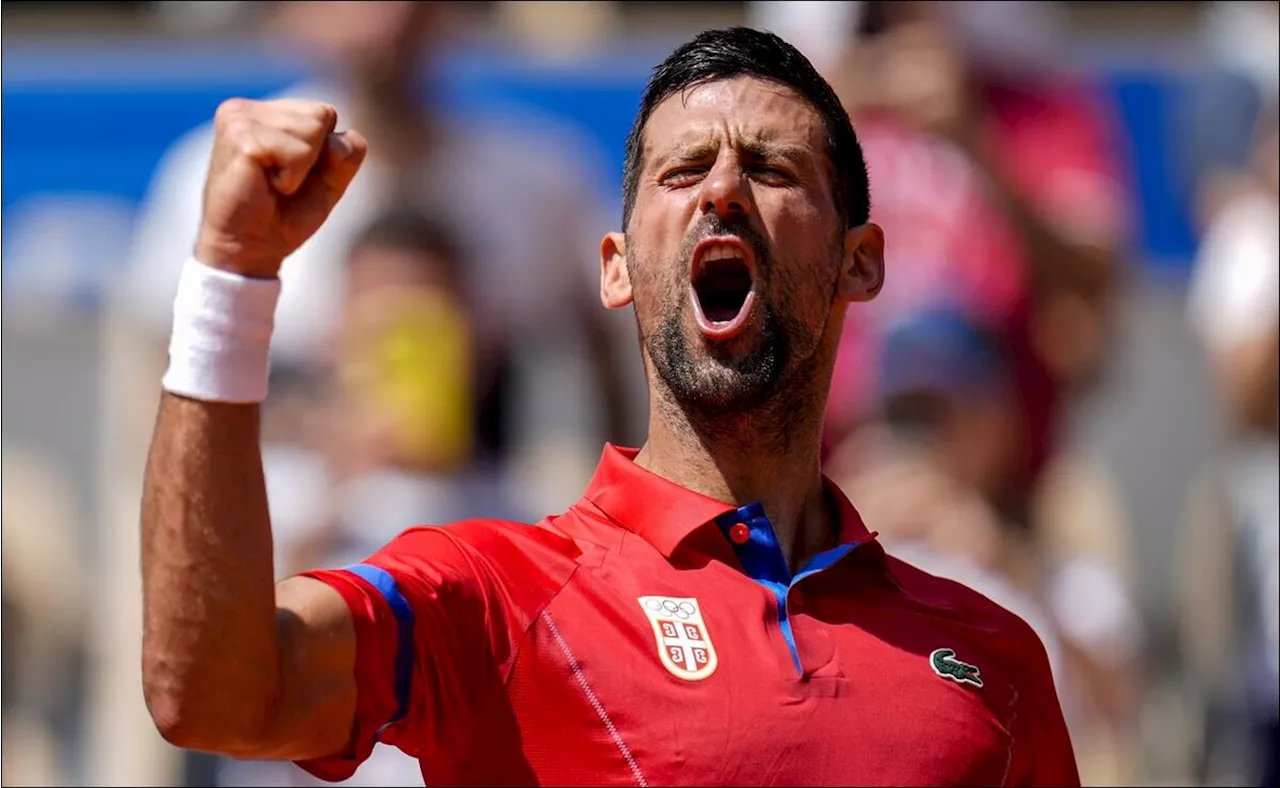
(226, 668)
(210, 655)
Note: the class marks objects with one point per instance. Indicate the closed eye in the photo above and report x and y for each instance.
(771, 173)
(684, 176)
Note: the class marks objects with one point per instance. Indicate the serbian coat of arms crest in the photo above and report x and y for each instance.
(684, 644)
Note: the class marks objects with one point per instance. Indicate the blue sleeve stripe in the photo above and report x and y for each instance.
(382, 580)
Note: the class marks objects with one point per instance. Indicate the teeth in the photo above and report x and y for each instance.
(723, 252)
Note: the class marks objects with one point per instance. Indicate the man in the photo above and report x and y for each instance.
(711, 611)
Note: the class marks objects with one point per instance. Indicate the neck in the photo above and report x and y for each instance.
(741, 459)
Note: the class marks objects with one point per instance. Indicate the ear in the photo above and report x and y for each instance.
(862, 267)
(615, 281)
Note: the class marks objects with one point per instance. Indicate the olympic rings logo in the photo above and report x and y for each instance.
(682, 610)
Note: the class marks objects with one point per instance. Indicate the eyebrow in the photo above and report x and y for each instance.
(695, 150)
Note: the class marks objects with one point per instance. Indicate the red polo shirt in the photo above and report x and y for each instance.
(652, 635)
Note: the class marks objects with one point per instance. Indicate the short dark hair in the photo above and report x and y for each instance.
(410, 230)
(741, 51)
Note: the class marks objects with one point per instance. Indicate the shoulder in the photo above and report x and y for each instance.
(961, 600)
(494, 538)
(522, 564)
(507, 542)
(1020, 681)
(1007, 655)
(993, 626)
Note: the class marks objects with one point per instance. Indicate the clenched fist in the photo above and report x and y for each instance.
(276, 172)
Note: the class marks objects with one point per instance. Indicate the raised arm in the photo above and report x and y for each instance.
(232, 663)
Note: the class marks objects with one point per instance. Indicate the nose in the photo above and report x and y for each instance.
(725, 190)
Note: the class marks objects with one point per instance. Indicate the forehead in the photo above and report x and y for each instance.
(747, 109)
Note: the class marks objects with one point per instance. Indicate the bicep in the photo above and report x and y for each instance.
(393, 651)
(316, 705)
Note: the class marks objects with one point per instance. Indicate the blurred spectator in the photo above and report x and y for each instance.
(927, 470)
(996, 180)
(399, 422)
(1233, 547)
(388, 433)
(519, 199)
(1235, 292)
(43, 623)
(942, 438)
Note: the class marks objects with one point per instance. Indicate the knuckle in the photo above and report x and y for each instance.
(230, 109)
(309, 127)
(246, 142)
(238, 129)
(250, 148)
(325, 113)
(320, 119)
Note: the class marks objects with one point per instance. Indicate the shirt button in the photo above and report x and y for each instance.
(739, 533)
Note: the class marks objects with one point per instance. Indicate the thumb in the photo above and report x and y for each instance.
(344, 152)
(338, 164)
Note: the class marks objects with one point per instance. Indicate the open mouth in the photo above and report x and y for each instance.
(722, 286)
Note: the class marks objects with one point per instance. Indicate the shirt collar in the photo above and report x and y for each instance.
(663, 513)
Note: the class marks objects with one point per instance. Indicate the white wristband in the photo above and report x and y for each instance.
(220, 346)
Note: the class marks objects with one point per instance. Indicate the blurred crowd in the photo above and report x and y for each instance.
(441, 353)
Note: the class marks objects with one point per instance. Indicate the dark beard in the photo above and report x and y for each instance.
(725, 386)
(758, 400)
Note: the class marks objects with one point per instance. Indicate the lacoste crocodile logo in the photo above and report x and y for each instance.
(946, 665)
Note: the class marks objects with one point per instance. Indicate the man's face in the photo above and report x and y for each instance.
(736, 255)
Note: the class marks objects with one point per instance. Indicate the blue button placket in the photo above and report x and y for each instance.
(763, 561)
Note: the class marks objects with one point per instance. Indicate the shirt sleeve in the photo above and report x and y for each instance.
(424, 645)
(1043, 753)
